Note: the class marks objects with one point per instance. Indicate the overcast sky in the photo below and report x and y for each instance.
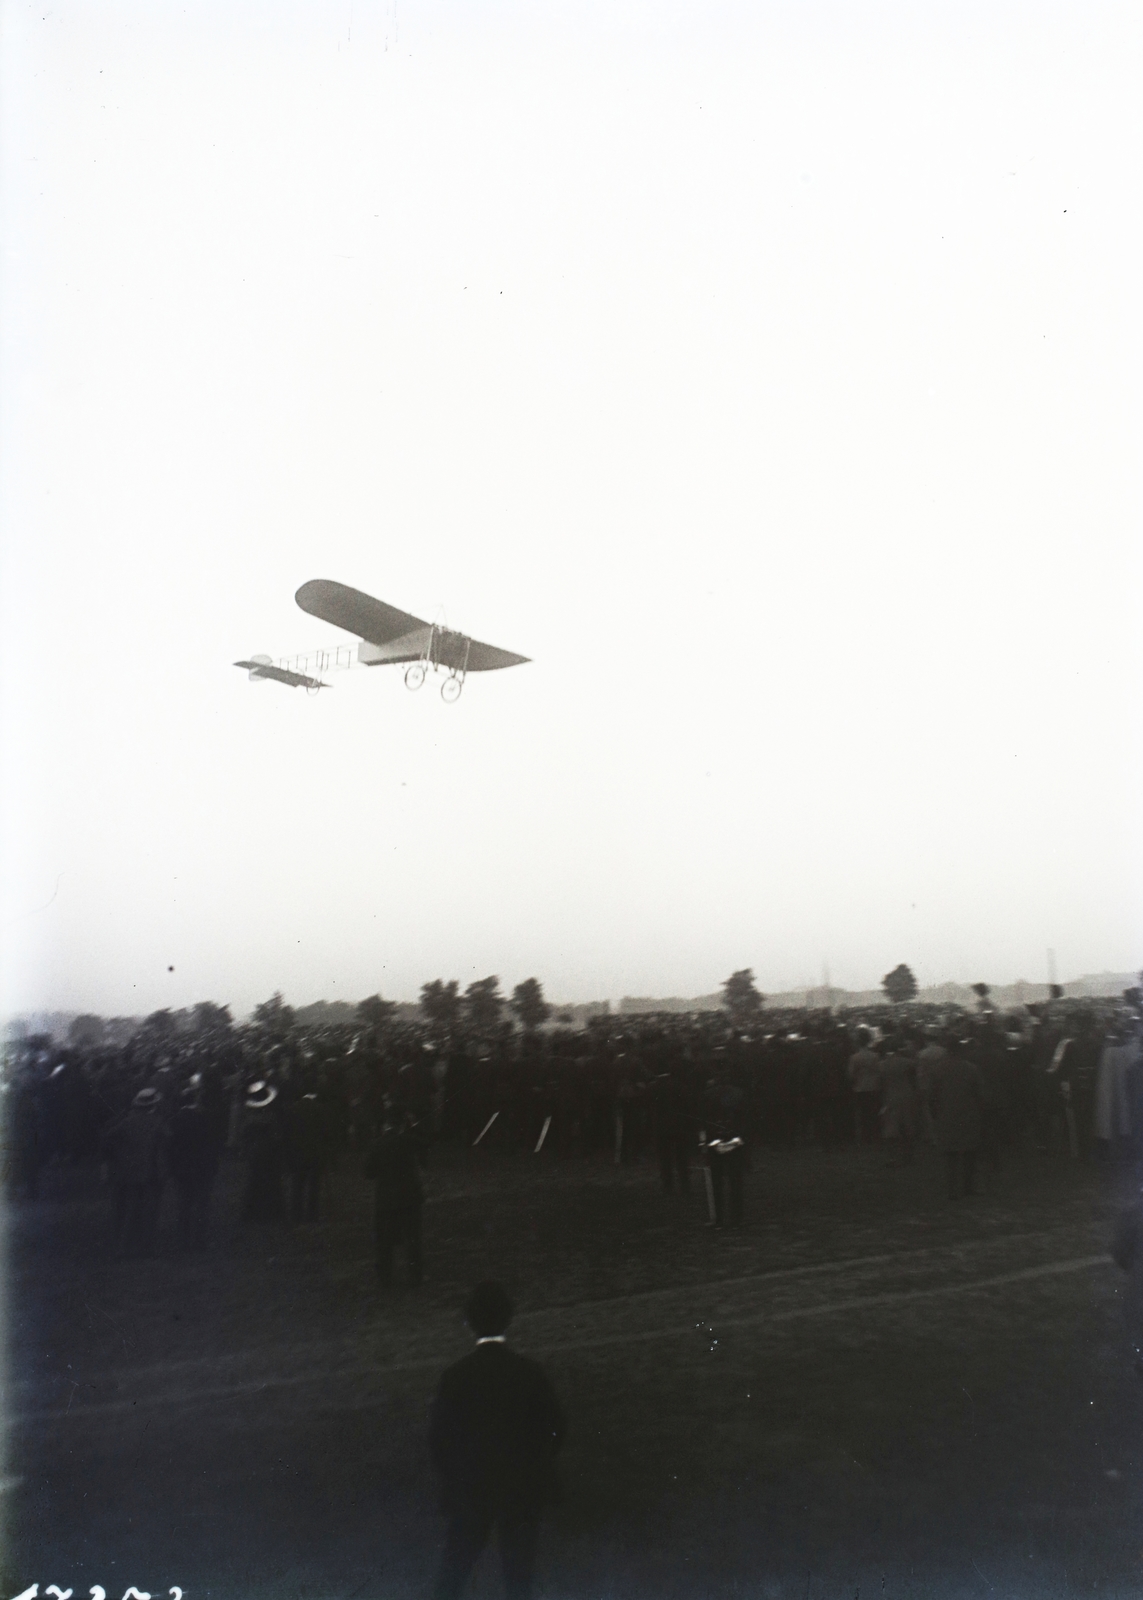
(768, 373)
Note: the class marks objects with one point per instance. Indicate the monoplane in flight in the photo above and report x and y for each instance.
(385, 637)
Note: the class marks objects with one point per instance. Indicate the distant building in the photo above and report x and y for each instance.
(579, 1016)
(638, 1005)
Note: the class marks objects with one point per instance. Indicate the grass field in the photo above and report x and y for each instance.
(866, 1391)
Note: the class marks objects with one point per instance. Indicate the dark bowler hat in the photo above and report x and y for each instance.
(489, 1310)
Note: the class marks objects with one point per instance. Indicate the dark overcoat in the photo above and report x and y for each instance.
(957, 1095)
(393, 1164)
(495, 1431)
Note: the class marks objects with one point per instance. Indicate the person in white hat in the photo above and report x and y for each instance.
(262, 1148)
(135, 1147)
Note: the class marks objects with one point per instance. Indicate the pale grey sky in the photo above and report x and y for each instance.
(768, 373)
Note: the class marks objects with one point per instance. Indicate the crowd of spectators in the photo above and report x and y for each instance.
(168, 1106)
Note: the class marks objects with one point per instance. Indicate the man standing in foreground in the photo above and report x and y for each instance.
(496, 1429)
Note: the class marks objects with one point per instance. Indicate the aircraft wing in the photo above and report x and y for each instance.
(394, 635)
(357, 613)
(487, 658)
(455, 650)
(296, 680)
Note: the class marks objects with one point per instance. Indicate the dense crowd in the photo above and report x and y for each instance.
(696, 1094)
(692, 1092)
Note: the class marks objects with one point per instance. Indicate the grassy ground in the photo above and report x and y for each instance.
(865, 1391)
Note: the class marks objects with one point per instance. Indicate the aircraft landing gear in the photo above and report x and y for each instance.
(415, 675)
(454, 683)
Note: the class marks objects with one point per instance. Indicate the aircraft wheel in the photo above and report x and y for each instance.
(415, 676)
(450, 690)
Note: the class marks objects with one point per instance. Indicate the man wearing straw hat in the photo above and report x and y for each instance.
(136, 1150)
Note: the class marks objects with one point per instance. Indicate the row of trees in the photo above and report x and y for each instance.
(741, 997)
(205, 1021)
(482, 1006)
